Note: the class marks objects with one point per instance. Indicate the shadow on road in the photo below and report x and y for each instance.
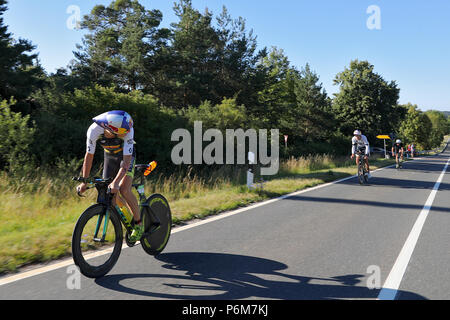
(356, 202)
(229, 276)
(399, 183)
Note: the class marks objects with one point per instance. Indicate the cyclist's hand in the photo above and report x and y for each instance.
(81, 188)
(113, 188)
(352, 157)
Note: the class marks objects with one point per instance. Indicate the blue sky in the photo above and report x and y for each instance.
(412, 47)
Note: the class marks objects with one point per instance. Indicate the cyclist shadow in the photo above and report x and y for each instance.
(229, 276)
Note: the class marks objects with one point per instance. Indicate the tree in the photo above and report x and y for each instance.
(195, 47)
(439, 127)
(238, 73)
(277, 97)
(416, 128)
(20, 73)
(226, 115)
(365, 100)
(122, 46)
(314, 117)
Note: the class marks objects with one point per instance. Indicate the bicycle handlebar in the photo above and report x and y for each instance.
(146, 168)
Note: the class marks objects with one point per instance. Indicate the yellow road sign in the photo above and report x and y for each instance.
(383, 137)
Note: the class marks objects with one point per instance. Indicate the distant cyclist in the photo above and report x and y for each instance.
(360, 144)
(115, 133)
(397, 150)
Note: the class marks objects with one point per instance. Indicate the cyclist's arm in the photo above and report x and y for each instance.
(128, 143)
(93, 134)
(366, 143)
(87, 165)
(353, 146)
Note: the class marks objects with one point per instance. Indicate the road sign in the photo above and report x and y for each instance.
(384, 137)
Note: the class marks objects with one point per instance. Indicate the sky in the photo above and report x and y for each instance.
(407, 41)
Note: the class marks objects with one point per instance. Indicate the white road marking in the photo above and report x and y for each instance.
(392, 283)
(69, 261)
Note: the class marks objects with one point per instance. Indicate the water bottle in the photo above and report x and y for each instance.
(125, 212)
(150, 168)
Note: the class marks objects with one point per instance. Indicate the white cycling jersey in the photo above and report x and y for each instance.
(95, 132)
(360, 144)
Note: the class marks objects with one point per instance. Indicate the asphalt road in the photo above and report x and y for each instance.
(333, 242)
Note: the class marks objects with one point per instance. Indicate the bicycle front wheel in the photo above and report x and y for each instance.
(156, 209)
(361, 173)
(97, 241)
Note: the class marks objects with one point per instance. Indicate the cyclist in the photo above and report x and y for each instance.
(361, 144)
(115, 133)
(397, 149)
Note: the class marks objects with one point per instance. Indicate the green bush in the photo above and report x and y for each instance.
(15, 138)
(64, 118)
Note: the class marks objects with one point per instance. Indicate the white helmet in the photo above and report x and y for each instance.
(398, 141)
(357, 133)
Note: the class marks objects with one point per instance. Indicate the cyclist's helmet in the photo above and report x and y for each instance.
(357, 133)
(117, 121)
(398, 141)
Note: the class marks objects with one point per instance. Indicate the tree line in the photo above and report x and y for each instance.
(203, 67)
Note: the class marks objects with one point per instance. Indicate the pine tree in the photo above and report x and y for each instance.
(20, 72)
(121, 46)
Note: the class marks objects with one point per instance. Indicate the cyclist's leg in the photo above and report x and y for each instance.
(111, 167)
(367, 164)
(126, 190)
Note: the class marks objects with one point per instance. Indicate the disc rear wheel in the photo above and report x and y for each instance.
(156, 211)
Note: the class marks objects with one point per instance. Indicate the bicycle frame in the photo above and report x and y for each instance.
(105, 198)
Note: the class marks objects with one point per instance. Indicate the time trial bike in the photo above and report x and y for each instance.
(98, 235)
(362, 171)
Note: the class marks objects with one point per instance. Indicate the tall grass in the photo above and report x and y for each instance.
(312, 163)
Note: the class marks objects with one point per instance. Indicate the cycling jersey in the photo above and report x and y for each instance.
(397, 147)
(115, 148)
(360, 144)
(115, 145)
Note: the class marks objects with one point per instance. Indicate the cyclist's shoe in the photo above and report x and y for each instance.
(137, 233)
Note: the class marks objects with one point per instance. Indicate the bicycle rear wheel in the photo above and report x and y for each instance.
(156, 208)
(97, 241)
